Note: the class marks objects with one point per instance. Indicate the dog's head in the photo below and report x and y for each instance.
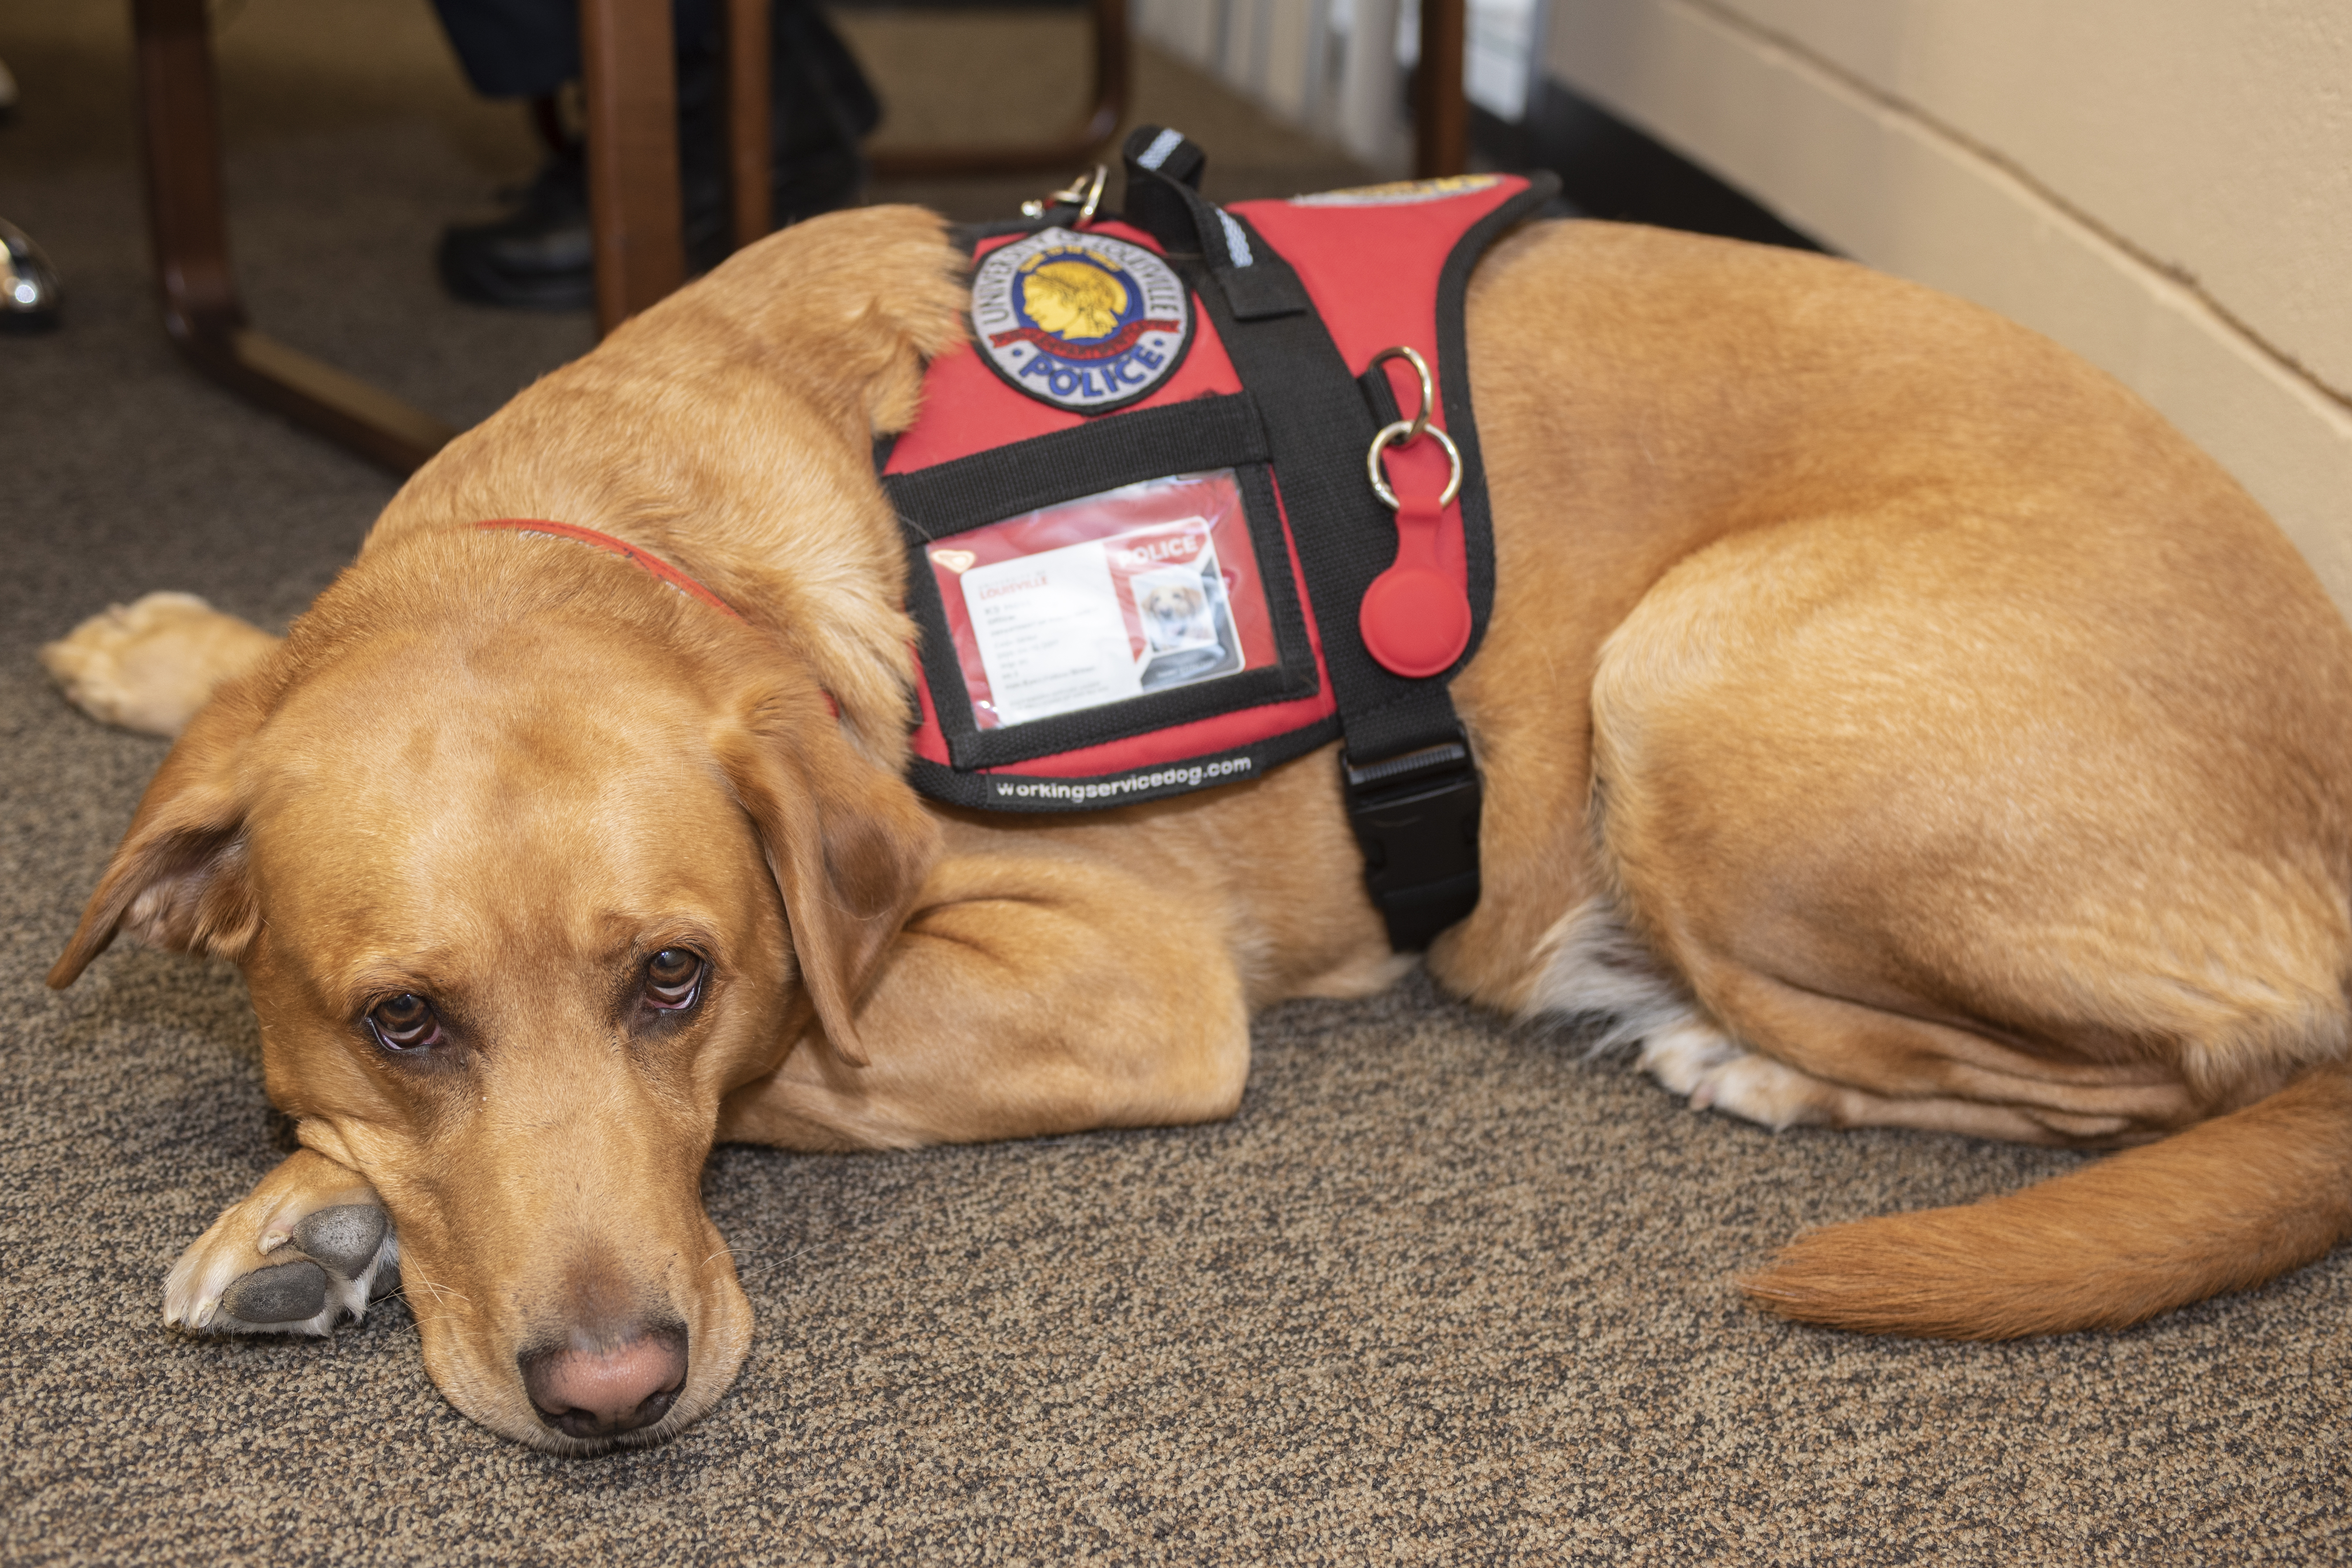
(1174, 603)
(522, 889)
(530, 861)
(1174, 607)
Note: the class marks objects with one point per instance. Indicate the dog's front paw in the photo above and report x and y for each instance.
(287, 1270)
(150, 665)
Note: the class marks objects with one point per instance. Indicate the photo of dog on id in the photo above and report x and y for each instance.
(1880, 717)
(1175, 612)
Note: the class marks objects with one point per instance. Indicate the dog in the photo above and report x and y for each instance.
(1176, 615)
(1886, 720)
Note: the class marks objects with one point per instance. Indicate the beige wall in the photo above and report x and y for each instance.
(2164, 185)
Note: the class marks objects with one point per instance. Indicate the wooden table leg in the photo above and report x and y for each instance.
(178, 115)
(1081, 142)
(1441, 119)
(629, 82)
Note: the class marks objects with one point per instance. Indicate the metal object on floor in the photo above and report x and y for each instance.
(28, 284)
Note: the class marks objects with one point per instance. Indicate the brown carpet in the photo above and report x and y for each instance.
(1443, 1291)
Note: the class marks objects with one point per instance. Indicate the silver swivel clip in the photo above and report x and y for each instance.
(1084, 193)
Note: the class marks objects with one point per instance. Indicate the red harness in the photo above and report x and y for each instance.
(1146, 549)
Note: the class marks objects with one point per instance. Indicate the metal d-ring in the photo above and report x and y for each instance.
(1086, 192)
(1428, 389)
(1403, 430)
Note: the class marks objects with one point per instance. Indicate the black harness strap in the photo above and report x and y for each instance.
(1411, 783)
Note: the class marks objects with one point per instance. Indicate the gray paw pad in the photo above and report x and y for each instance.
(288, 1293)
(345, 1238)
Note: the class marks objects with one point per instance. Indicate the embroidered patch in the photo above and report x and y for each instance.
(1397, 193)
(1080, 321)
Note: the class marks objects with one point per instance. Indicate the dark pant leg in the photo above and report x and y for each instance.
(824, 106)
(528, 48)
(514, 48)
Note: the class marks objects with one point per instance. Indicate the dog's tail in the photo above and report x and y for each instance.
(2222, 1206)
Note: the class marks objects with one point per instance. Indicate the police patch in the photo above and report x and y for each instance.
(1080, 321)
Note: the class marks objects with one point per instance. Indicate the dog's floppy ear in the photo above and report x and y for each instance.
(178, 880)
(848, 843)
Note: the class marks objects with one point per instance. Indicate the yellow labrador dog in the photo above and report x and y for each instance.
(1888, 718)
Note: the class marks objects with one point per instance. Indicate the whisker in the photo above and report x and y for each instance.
(750, 1264)
(442, 1294)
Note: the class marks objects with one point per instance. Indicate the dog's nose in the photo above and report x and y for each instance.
(604, 1391)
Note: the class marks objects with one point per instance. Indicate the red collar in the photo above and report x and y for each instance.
(634, 557)
(621, 548)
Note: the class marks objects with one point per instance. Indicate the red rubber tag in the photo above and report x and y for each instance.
(1416, 617)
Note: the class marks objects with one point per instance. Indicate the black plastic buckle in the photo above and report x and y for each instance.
(1416, 818)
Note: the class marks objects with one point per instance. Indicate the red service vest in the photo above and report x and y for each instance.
(1144, 546)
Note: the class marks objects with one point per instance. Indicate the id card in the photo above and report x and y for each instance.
(1104, 599)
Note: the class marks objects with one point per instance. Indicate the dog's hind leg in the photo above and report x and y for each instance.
(1597, 973)
(1897, 825)
(150, 665)
(309, 1244)
(1978, 822)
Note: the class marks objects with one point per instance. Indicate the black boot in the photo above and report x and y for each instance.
(539, 256)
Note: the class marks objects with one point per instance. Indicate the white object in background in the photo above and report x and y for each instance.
(1498, 67)
(1338, 66)
(1498, 51)
(1371, 120)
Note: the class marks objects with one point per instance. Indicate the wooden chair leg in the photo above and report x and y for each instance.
(629, 78)
(749, 178)
(628, 73)
(1441, 119)
(178, 115)
(1081, 142)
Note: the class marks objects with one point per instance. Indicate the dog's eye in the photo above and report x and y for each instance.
(405, 1023)
(674, 979)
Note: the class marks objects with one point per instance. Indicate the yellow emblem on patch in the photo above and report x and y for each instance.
(1081, 321)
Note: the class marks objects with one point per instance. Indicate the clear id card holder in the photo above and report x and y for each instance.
(1060, 616)
(1103, 600)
